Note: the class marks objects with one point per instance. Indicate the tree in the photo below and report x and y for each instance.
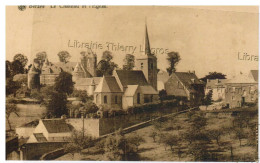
(162, 94)
(215, 134)
(153, 134)
(64, 83)
(21, 58)
(11, 87)
(64, 56)
(106, 66)
(136, 140)
(213, 75)
(107, 56)
(40, 57)
(81, 94)
(173, 59)
(118, 147)
(208, 98)
(77, 142)
(170, 140)
(8, 69)
(240, 134)
(57, 104)
(11, 108)
(129, 62)
(17, 67)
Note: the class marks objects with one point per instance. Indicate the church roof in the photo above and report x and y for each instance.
(131, 77)
(108, 84)
(56, 68)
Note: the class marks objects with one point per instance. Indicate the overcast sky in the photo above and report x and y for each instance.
(207, 39)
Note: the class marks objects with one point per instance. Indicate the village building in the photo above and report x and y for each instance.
(50, 130)
(186, 85)
(218, 88)
(108, 91)
(242, 89)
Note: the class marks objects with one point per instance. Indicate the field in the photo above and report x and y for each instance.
(236, 139)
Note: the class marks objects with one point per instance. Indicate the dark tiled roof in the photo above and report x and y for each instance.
(131, 77)
(214, 83)
(188, 78)
(56, 125)
(254, 74)
(31, 124)
(56, 68)
(40, 137)
(108, 84)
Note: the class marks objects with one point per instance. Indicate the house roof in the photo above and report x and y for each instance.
(108, 84)
(241, 79)
(131, 77)
(187, 78)
(130, 90)
(148, 90)
(254, 74)
(213, 83)
(56, 68)
(40, 137)
(56, 125)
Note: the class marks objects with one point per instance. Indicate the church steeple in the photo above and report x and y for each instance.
(146, 41)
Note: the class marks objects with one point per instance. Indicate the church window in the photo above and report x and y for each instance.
(105, 99)
(116, 99)
(138, 98)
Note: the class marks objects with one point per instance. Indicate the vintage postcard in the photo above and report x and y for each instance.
(132, 83)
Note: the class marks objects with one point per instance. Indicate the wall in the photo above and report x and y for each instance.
(91, 126)
(33, 151)
(24, 132)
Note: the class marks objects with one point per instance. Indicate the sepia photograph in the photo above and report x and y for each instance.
(131, 83)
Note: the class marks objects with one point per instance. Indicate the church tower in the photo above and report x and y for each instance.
(147, 62)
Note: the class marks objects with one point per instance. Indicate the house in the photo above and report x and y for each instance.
(50, 130)
(218, 88)
(186, 85)
(88, 84)
(26, 130)
(241, 90)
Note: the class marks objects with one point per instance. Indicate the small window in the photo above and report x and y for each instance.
(151, 98)
(142, 65)
(105, 99)
(233, 97)
(116, 99)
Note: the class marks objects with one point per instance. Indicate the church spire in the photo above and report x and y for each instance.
(146, 41)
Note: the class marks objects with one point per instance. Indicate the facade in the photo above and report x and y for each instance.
(241, 90)
(108, 93)
(187, 85)
(218, 88)
(50, 130)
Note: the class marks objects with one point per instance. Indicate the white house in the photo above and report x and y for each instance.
(50, 130)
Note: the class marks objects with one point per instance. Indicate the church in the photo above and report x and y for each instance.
(123, 89)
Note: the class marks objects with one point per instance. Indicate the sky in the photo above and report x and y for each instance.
(207, 38)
